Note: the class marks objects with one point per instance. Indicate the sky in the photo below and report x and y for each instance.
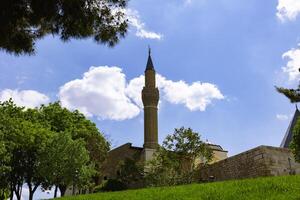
(217, 63)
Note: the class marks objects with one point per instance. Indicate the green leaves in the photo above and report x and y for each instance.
(24, 22)
(178, 159)
(48, 146)
(292, 94)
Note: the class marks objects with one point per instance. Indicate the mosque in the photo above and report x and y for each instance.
(260, 161)
(150, 97)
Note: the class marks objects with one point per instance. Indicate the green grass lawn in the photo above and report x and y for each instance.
(285, 187)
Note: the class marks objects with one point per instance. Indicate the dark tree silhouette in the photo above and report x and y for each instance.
(22, 22)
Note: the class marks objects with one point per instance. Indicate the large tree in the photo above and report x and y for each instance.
(65, 163)
(62, 120)
(23, 22)
(26, 141)
(178, 159)
(75, 125)
(47, 146)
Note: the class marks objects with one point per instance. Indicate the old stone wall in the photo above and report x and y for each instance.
(260, 161)
(116, 156)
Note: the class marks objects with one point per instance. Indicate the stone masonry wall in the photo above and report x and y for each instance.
(260, 161)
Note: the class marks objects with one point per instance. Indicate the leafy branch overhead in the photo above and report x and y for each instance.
(292, 94)
(22, 23)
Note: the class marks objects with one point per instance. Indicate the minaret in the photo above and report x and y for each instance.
(150, 97)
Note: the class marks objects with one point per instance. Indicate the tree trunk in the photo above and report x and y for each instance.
(62, 189)
(32, 190)
(18, 191)
(55, 191)
(18, 195)
(11, 192)
(30, 195)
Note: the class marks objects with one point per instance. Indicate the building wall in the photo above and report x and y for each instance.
(218, 156)
(260, 161)
(116, 156)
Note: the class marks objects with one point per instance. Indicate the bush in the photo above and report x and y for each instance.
(113, 185)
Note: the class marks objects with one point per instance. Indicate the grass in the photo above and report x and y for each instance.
(284, 187)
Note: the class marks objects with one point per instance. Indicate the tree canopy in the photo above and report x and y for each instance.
(177, 161)
(22, 23)
(47, 146)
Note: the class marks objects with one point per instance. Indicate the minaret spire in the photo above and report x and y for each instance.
(150, 97)
(149, 65)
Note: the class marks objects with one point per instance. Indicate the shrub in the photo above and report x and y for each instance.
(113, 185)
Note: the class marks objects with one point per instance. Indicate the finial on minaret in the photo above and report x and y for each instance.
(149, 50)
(149, 62)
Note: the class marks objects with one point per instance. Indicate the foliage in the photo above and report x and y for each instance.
(295, 144)
(279, 188)
(131, 173)
(113, 185)
(178, 159)
(24, 22)
(292, 94)
(4, 168)
(61, 120)
(47, 146)
(294, 97)
(66, 162)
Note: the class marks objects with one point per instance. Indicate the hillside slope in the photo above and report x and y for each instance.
(286, 187)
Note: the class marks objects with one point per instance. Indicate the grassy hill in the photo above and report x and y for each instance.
(286, 187)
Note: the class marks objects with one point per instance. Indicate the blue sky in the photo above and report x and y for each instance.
(234, 47)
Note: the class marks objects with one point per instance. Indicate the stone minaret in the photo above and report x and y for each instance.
(150, 97)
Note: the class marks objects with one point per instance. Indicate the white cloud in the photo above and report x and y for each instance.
(282, 117)
(293, 64)
(100, 93)
(288, 9)
(196, 96)
(135, 21)
(104, 93)
(27, 98)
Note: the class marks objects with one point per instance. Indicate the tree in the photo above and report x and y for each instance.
(10, 117)
(4, 168)
(28, 154)
(64, 121)
(294, 96)
(22, 23)
(47, 146)
(178, 158)
(66, 163)
(131, 173)
(75, 125)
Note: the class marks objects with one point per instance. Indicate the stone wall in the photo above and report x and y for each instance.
(260, 161)
(118, 155)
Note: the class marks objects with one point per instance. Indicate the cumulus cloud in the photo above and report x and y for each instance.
(293, 64)
(282, 117)
(103, 92)
(196, 96)
(26, 98)
(135, 21)
(288, 9)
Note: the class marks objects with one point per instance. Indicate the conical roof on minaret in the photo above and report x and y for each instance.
(289, 133)
(149, 62)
